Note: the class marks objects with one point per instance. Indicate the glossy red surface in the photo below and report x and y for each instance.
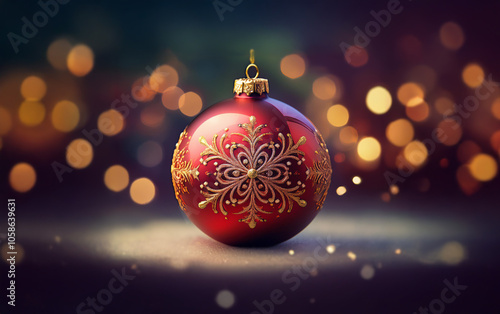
(251, 171)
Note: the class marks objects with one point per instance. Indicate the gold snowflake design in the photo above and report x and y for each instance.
(182, 170)
(252, 175)
(321, 171)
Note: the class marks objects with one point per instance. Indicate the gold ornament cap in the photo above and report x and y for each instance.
(251, 85)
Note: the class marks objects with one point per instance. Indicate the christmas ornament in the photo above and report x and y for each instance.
(251, 171)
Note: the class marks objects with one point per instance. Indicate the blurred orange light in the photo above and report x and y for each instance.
(116, 178)
(449, 132)
(141, 91)
(65, 116)
(483, 167)
(400, 132)
(163, 77)
(170, 97)
(337, 115)
(419, 112)
(5, 121)
(324, 88)
(110, 122)
(293, 66)
(466, 181)
(341, 190)
(31, 113)
(415, 153)
(57, 53)
(495, 141)
(142, 191)
(33, 88)
(466, 150)
(79, 153)
(451, 36)
(444, 105)
(356, 56)
(153, 115)
(190, 104)
(369, 149)
(22, 177)
(348, 135)
(80, 60)
(473, 75)
(410, 91)
(378, 100)
(495, 108)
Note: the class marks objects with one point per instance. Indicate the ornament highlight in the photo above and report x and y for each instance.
(251, 171)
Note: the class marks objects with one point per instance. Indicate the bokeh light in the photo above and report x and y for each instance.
(153, 115)
(57, 53)
(293, 66)
(142, 191)
(394, 189)
(495, 141)
(31, 113)
(225, 299)
(163, 77)
(408, 92)
(444, 105)
(116, 178)
(369, 149)
(356, 56)
(341, 190)
(65, 116)
(337, 115)
(150, 154)
(324, 88)
(33, 88)
(80, 60)
(356, 180)
(473, 75)
(452, 253)
(110, 122)
(141, 91)
(483, 167)
(495, 108)
(449, 132)
(419, 112)
(466, 150)
(467, 183)
(367, 272)
(5, 121)
(79, 153)
(171, 96)
(400, 132)
(451, 35)
(190, 104)
(22, 177)
(415, 153)
(348, 135)
(378, 100)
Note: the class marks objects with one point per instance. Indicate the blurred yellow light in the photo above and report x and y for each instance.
(452, 253)
(473, 75)
(419, 112)
(348, 135)
(141, 91)
(5, 121)
(163, 77)
(495, 108)
(444, 105)
(116, 178)
(65, 116)
(324, 88)
(449, 132)
(293, 66)
(337, 115)
(57, 53)
(415, 153)
(150, 154)
(341, 190)
(378, 100)
(110, 122)
(410, 91)
(31, 113)
(356, 180)
(142, 191)
(394, 189)
(79, 153)
(33, 88)
(451, 36)
(369, 149)
(483, 167)
(171, 96)
(80, 60)
(22, 177)
(190, 104)
(400, 132)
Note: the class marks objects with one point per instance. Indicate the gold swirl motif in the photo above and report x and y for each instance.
(182, 170)
(321, 171)
(253, 174)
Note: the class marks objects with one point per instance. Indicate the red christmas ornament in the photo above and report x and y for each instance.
(251, 171)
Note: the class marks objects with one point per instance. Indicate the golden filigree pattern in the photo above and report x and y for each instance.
(182, 170)
(321, 171)
(252, 175)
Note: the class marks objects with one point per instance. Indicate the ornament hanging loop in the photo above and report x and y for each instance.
(252, 64)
